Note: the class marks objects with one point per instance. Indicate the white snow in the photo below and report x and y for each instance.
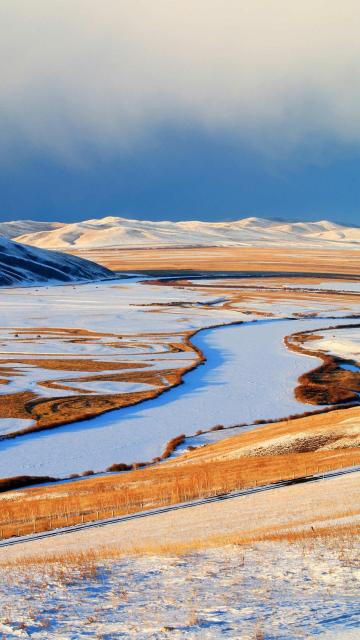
(343, 343)
(114, 307)
(8, 425)
(276, 591)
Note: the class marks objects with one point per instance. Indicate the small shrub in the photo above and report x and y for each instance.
(120, 466)
(172, 444)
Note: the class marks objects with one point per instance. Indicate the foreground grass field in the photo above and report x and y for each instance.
(280, 451)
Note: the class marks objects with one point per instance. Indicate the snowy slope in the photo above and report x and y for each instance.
(122, 232)
(27, 265)
(15, 228)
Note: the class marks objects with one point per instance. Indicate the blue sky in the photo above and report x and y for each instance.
(179, 110)
(188, 175)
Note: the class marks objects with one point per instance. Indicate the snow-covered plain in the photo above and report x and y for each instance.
(272, 591)
(349, 287)
(130, 307)
(122, 232)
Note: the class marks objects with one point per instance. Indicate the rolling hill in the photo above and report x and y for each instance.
(113, 232)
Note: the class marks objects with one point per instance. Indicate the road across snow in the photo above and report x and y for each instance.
(332, 500)
(249, 375)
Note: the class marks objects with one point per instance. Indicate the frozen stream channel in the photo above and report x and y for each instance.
(249, 374)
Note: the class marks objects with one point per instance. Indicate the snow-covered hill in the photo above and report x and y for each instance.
(16, 228)
(26, 265)
(122, 232)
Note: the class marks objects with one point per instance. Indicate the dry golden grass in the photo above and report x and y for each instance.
(312, 261)
(52, 412)
(73, 364)
(331, 431)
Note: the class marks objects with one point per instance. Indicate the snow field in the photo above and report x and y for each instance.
(270, 590)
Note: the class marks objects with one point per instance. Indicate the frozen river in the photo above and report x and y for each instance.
(249, 374)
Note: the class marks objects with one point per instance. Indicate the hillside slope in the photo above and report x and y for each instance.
(254, 232)
(15, 228)
(21, 265)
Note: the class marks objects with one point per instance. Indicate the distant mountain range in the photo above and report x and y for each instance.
(21, 265)
(114, 232)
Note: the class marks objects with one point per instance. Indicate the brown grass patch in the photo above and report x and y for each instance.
(328, 383)
(73, 364)
(45, 508)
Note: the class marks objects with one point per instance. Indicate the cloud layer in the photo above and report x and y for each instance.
(104, 74)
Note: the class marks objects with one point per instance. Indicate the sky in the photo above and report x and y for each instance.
(180, 109)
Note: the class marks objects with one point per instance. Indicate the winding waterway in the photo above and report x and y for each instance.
(249, 374)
